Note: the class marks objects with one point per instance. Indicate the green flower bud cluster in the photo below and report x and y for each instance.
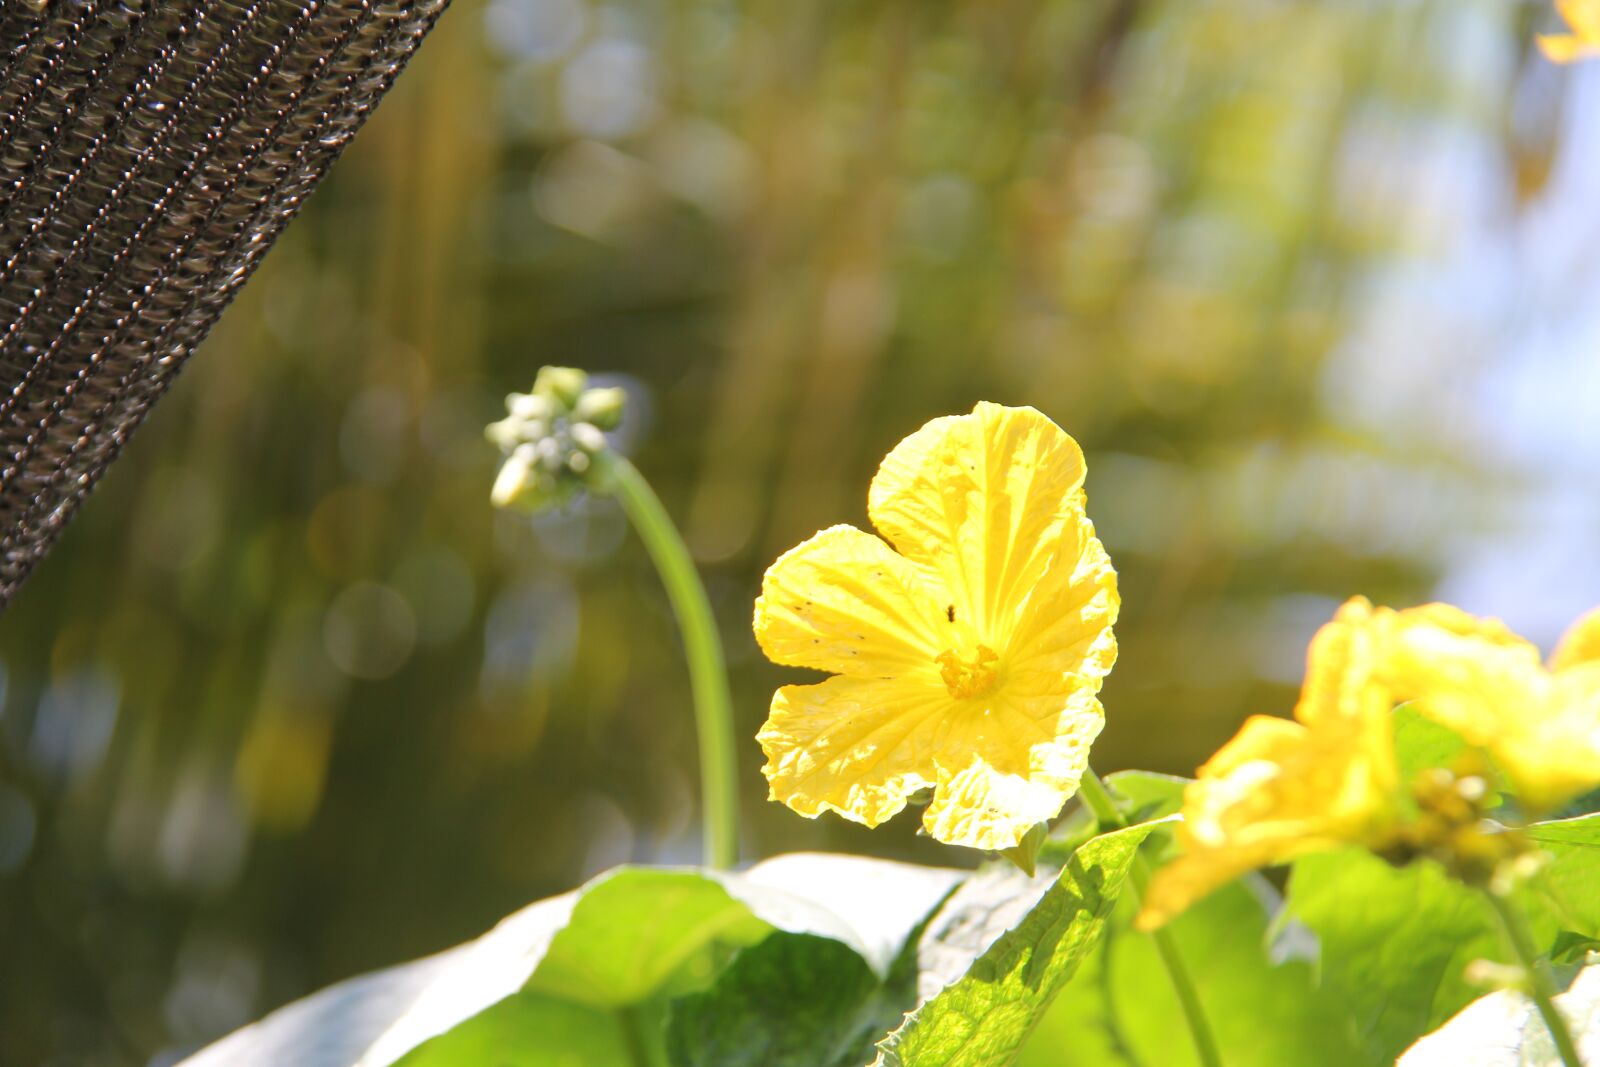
(1454, 826)
(552, 439)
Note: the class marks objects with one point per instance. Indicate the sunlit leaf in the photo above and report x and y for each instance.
(534, 1031)
(1264, 1010)
(1142, 796)
(1570, 886)
(628, 936)
(795, 1000)
(986, 1014)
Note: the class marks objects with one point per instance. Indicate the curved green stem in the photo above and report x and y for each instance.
(1099, 800)
(708, 676)
(1540, 984)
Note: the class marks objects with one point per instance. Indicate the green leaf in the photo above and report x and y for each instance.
(1504, 1029)
(795, 1000)
(1570, 947)
(1143, 796)
(627, 940)
(985, 1015)
(1570, 886)
(1421, 744)
(1394, 941)
(1120, 1010)
(634, 929)
(535, 1031)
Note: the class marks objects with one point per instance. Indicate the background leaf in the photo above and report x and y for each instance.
(1396, 941)
(984, 1017)
(1570, 886)
(1265, 1011)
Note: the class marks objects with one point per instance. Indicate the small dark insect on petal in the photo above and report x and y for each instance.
(950, 613)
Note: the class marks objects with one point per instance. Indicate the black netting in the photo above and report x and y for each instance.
(150, 153)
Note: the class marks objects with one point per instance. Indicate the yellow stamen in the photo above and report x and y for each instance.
(973, 678)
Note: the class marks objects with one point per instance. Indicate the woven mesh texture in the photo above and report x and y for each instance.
(150, 153)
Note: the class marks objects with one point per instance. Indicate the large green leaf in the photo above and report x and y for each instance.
(1570, 886)
(627, 939)
(537, 1031)
(1120, 1010)
(633, 930)
(985, 1015)
(1563, 903)
(795, 1000)
(1394, 942)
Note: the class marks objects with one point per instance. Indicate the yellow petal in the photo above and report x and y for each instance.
(856, 746)
(1580, 644)
(1484, 682)
(1277, 791)
(1549, 742)
(1339, 681)
(981, 500)
(1234, 818)
(1065, 625)
(846, 602)
(1565, 48)
(1012, 761)
(980, 806)
(1583, 16)
(1472, 675)
(1261, 737)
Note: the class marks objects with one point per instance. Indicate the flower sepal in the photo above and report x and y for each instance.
(1024, 856)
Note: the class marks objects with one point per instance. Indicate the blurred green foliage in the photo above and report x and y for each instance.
(289, 701)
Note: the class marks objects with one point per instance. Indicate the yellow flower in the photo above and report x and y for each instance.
(1541, 725)
(967, 658)
(1583, 16)
(1282, 789)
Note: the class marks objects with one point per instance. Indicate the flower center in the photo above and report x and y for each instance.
(969, 678)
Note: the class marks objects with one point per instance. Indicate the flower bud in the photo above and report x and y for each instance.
(513, 481)
(560, 385)
(587, 437)
(601, 407)
(531, 407)
(504, 434)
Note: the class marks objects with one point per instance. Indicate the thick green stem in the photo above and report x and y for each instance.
(708, 676)
(1540, 984)
(1205, 1043)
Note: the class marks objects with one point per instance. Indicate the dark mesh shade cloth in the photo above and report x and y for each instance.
(150, 153)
